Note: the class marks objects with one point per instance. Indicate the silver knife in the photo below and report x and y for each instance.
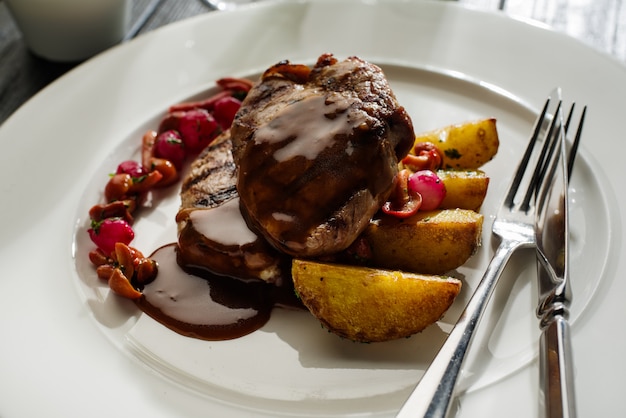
(554, 289)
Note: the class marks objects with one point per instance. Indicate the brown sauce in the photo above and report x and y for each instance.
(219, 239)
(197, 303)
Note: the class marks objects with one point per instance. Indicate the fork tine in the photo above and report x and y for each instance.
(574, 149)
(569, 117)
(509, 200)
(545, 156)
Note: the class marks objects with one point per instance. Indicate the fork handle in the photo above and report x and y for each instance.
(556, 366)
(431, 397)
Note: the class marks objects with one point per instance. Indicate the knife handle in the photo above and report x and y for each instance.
(556, 368)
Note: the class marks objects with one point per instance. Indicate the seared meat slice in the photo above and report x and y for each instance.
(212, 234)
(317, 151)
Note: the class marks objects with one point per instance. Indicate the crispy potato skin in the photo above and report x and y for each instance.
(467, 145)
(433, 242)
(465, 189)
(371, 305)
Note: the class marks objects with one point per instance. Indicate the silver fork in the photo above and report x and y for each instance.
(514, 225)
(554, 288)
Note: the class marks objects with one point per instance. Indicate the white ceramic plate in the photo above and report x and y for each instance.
(69, 348)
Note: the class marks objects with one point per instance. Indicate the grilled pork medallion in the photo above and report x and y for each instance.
(317, 151)
(212, 234)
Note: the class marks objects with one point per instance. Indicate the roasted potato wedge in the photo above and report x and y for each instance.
(467, 145)
(464, 189)
(433, 242)
(371, 305)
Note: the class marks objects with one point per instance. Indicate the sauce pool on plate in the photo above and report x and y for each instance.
(197, 303)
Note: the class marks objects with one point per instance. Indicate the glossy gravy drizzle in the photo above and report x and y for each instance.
(196, 303)
(310, 126)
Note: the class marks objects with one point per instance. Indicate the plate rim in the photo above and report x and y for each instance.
(8, 125)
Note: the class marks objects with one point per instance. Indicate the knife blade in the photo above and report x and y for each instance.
(554, 289)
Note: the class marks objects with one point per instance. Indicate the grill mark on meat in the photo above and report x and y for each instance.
(207, 172)
(217, 198)
(213, 176)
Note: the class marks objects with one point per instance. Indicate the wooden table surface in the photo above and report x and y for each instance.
(598, 23)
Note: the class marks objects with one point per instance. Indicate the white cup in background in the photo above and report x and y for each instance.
(70, 30)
